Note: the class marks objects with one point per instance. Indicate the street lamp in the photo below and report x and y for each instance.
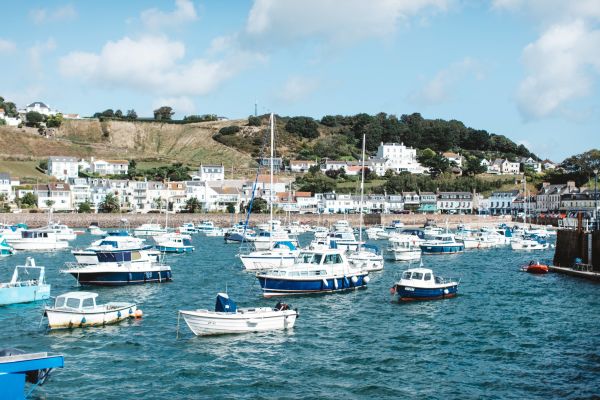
(596, 198)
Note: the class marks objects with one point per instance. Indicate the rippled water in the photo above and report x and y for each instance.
(507, 335)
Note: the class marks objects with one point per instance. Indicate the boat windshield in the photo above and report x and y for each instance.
(72, 302)
(406, 275)
(417, 276)
(60, 302)
(310, 258)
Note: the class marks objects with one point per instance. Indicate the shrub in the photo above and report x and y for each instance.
(229, 130)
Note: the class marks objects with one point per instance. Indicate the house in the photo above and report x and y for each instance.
(39, 107)
(263, 186)
(208, 173)
(332, 165)
(428, 202)
(455, 202)
(412, 200)
(585, 201)
(485, 163)
(139, 191)
(528, 162)
(10, 121)
(396, 157)
(6, 187)
(176, 195)
(109, 167)
(80, 191)
(301, 165)
(266, 162)
(55, 195)
(548, 165)
(218, 198)
(495, 167)
(548, 199)
(501, 202)
(63, 168)
(455, 158)
(509, 167)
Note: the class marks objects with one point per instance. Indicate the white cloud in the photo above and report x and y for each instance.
(298, 88)
(6, 46)
(152, 64)
(64, 13)
(38, 51)
(182, 105)
(184, 12)
(338, 23)
(440, 88)
(549, 12)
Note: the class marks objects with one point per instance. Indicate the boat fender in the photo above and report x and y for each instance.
(366, 279)
(446, 291)
(138, 313)
(393, 290)
(325, 282)
(130, 312)
(335, 283)
(83, 320)
(346, 282)
(118, 314)
(354, 279)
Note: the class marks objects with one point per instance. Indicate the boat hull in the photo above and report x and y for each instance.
(442, 249)
(112, 278)
(204, 323)
(172, 249)
(24, 294)
(406, 255)
(282, 286)
(59, 319)
(38, 246)
(411, 293)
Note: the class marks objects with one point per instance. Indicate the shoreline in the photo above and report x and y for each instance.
(36, 220)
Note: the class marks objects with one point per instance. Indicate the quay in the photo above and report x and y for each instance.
(578, 252)
(577, 271)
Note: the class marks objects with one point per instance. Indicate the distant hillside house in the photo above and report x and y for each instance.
(332, 165)
(39, 107)
(5, 185)
(547, 164)
(531, 163)
(208, 173)
(503, 166)
(109, 167)
(396, 157)
(266, 162)
(453, 157)
(63, 168)
(301, 165)
(10, 121)
(59, 194)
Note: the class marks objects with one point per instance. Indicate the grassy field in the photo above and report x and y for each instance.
(24, 170)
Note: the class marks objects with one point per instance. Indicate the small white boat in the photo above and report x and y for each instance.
(376, 232)
(38, 239)
(96, 231)
(529, 244)
(149, 230)
(79, 309)
(20, 290)
(62, 231)
(217, 232)
(367, 258)
(174, 243)
(283, 254)
(187, 228)
(405, 247)
(227, 318)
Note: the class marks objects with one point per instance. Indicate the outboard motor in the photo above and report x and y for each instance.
(36, 377)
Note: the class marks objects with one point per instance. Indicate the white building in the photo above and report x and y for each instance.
(455, 202)
(55, 195)
(208, 173)
(10, 121)
(63, 168)
(301, 165)
(80, 191)
(455, 158)
(509, 167)
(531, 163)
(396, 157)
(501, 202)
(6, 186)
(39, 107)
(109, 167)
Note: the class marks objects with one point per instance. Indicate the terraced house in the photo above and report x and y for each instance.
(455, 202)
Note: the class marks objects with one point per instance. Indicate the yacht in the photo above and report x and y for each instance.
(38, 239)
(405, 247)
(150, 229)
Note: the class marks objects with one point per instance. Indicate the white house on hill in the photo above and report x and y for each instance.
(63, 168)
(39, 107)
(396, 157)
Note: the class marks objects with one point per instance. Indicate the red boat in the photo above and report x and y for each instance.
(534, 267)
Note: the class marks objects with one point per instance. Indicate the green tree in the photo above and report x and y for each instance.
(329, 120)
(28, 200)
(305, 127)
(193, 205)
(259, 206)
(163, 113)
(110, 204)
(54, 121)
(254, 121)
(315, 183)
(119, 114)
(85, 207)
(131, 115)
(436, 163)
(230, 208)
(49, 203)
(34, 118)
(229, 130)
(2, 121)
(473, 166)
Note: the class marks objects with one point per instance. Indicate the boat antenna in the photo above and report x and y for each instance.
(271, 187)
(362, 191)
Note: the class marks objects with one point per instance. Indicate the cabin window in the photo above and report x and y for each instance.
(333, 259)
(428, 276)
(305, 258)
(89, 302)
(73, 303)
(60, 302)
(317, 259)
(406, 275)
(417, 275)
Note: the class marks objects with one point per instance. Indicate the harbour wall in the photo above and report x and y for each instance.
(572, 244)
(35, 220)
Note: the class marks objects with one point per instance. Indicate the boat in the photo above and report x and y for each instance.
(442, 244)
(62, 231)
(116, 240)
(421, 284)
(217, 232)
(18, 367)
(205, 227)
(79, 309)
(187, 228)
(9, 232)
(238, 233)
(38, 239)
(5, 248)
(150, 229)
(228, 318)
(96, 231)
(119, 267)
(174, 243)
(529, 243)
(534, 267)
(376, 232)
(24, 288)
(405, 247)
(281, 255)
(315, 271)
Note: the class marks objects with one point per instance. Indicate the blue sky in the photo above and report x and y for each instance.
(527, 69)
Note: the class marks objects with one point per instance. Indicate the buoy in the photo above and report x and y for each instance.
(354, 279)
(366, 279)
(138, 313)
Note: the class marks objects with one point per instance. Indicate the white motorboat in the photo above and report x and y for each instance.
(217, 232)
(20, 290)
(228, 318)
(376, 232)
(117, 240)
(79, 309)
(368, 258)
(150, 229)
(283, 254)
(187, 228)
(174, 243)
(405, 247)
(205, 227)
(62, 231)
(38, 239)
(529, 244)
(10, 232)
(478, 241)
(96, 231)
(264, 240)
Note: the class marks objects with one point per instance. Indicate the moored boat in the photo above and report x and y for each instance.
(38, 239)
(174, 243)
(442, 244)
(30, 289)
(368, 258)
(534, 267)
(405, 247)
(228, 318)
(281, 255)
(421, 284)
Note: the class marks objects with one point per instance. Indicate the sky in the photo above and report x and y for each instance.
(526, 69)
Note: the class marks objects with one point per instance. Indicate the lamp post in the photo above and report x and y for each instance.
(596, 198)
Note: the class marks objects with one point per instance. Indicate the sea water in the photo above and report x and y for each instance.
(508, 334)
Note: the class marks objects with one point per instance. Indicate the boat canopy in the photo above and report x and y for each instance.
(282, 244)
(225, 304)
(118, 233)
(114, 256)
(371, 247)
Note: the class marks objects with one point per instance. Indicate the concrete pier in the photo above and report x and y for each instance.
(577, 244)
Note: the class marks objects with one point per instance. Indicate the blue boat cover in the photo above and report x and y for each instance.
(113, 256)
(372, 247)
(225, 304)
(289, 245)
(507, 232)
(333, 244)
(118, 233)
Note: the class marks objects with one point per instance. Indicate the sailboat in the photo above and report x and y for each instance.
(280, 251)
(366, 257)
(173, 242)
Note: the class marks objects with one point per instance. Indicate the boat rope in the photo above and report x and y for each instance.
(39, 382)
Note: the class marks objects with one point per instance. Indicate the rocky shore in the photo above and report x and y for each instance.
(225, 220)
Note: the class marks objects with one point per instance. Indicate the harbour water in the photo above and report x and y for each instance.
(507, 335)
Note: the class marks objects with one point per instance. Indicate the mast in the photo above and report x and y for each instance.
(271, 187)
(362, 190)
(524, 200)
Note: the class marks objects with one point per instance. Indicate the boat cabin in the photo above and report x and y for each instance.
(325, 257)
(76, 300)
(35, 234)
(420, 277)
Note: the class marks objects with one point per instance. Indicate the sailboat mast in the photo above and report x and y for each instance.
(271, 187)
(524, 200)
(362, 191)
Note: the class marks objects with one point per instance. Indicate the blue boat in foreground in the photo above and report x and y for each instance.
(421, 284)
(16, 368)
(315, 271)
(20, 290)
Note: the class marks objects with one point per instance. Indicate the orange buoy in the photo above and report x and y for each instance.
(138, 313)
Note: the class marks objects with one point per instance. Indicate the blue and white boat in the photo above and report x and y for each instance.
(283, 254)
(27, 290)
(315, 271)
(238, 234)
(150, 229)
(174, 243)
(205, 226)
(5, 248)
(187, 228)
(116, 240)
(12, 231)
(421, 284)
(442, 244)
(119, 267)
